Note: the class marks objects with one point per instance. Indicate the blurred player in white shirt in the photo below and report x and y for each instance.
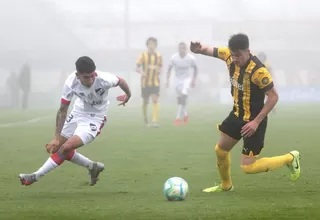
(186, 70)
(85, 121)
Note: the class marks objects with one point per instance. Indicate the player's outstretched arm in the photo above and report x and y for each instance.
(125, 87)
(263, 80)
(196, 47)
(60, 119)
(139, 64)
(272, 99)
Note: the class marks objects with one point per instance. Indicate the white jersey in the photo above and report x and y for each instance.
(183, 67)
(93, 100)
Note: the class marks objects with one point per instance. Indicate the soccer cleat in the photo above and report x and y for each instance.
(217, 188)
(27, 179)
(177, 122)
(294, 167)
(94, 172)
(155, 124)
(145, 119)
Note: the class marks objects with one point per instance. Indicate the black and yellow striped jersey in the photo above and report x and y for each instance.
(151, 64)
(248, 84)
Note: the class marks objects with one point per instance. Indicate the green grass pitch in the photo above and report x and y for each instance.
(139, 160)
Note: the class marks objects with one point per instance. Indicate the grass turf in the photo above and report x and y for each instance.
(139, 160)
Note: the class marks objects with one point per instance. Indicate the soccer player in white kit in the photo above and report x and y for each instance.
(183, 63)
(85, 121)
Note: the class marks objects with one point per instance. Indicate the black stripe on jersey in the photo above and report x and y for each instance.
(231, 72)
(148, 68)
(155, 64)
(240, 93)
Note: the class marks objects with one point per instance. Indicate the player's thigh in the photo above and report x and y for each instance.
(89, 128)
(145, 93)
(69, 127)
(185, 88)
(179, 88)
(230, 130)
(253, 145)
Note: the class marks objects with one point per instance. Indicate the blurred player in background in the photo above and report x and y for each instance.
(85, 121)
(183, 64)
(25, 84)
(263, 58)
(250, 83)
(149, 66)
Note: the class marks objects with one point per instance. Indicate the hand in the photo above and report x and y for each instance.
(195, 47)
(123, 99)
(53, 146)
(249, 129)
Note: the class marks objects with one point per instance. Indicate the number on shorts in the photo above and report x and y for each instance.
(69, 118)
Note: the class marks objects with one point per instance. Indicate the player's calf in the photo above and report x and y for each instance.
(252, 165)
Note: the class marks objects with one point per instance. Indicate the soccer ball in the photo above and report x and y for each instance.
(175, 189)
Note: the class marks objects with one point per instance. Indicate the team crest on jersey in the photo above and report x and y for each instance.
(74, 84)
(100, 91)
(93, 127)
(265, 80)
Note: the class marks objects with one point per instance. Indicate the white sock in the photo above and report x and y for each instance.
(81, 160)
(179, 111)
(185, 112)
(46, 168)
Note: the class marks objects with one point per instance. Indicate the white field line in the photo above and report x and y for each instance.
(26, 122)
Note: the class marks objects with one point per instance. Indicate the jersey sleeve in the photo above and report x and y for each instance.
(67, 95)
(110, 80)
(223, 53)
(262, 79)
(140, 59)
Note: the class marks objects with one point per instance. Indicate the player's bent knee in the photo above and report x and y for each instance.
(247, 164)
(248, 169)
(220, 152)
(183, 99)
(155, 100)
(145, 101)
(179, 100)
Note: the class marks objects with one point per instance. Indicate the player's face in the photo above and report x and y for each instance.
(86, 79)
(240, 57)
(152, 46)
(182, 49)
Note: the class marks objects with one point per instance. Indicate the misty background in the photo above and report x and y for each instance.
(45, 37)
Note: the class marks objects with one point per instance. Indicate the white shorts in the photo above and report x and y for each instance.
(183, 88)
(86, 126)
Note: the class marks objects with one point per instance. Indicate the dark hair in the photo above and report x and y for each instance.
(85, 65)
(238, 42)
(152, 39)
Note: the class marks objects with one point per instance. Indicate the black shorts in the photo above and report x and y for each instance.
(146, 92)
(253, 145)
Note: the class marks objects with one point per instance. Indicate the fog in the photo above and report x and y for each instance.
(49, 35)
